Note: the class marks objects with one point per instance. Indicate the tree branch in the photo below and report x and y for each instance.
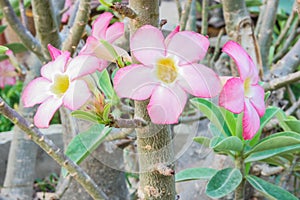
(52, 150)
(27, 38)
(185, 14)
(78, 27)
(45, 24)
(204, 17)
(282, 81)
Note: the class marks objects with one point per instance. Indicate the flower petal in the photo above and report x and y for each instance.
(76, 95)
(147, 45)
(257, 99)
(54, 52)
(251, 122)
(100, 25)
(57, 66)
(188, 46)
(232, 95)
(82, 65)
(114, 31)
(199, 80)
(166, 104)
(135, 81)
(37, 91)
(170, 36)
(243, 61)
(46, 111)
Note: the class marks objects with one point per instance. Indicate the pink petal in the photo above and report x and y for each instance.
(166, 104)
(37, 91)
(10, 81)
(94, 48)
(52, 68)
(147, 45)
(135, 81)
(243, 61)
(188, 46)
(251, 122)
(82, 65)
(199, 80)
(257, 99)
(100, 25)
(114, 32)
(170, 36)
(54, 52)
(46, 111)
(232, 95)
(76, 95)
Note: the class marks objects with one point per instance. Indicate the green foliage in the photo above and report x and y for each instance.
(47, 184)
(194, 174)
(232, 143)
(11, 95)
(269, 190)
(85, 143)
(223, 182)
(107, 88)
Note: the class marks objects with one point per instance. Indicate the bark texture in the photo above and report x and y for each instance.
(154, 142)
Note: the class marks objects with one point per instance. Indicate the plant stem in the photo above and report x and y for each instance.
(52, 150)
(154, 142)
(240, 190)
(204, 17)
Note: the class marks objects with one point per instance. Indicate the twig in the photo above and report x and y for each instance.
(78, 27)
(45, 24)
(287, 25)
(287, 44)
(124, 10)
(288, 173)
(27, 38)
(52, 150)
(288, 63)
(266, 30)
(293, 108)
(282, 81)
(23, 14)
(260, 18)
(185, 14)
(204, 25)
(122, 134)
(217, 47)
(179, 8)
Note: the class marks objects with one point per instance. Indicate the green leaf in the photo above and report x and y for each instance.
(202, 140)
(3, 49)
(106, 112)
(282, 139)
(213, 113)
(195, 174)
(86, 116)
(113, 52)
(293, 124)
(269, 190)
(16, 47)
(231, 143)
(105, 84)
(2, 28)
(261, 155)
(85, 143)
(239, 126)
(269, 114)
(230, 120)
(223, 182)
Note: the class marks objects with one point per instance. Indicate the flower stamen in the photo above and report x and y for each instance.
(166, 70)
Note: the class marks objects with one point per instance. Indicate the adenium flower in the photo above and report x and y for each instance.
(169, 70)
(59, 84)
(102, 31)
(243, 94)
(7, 72)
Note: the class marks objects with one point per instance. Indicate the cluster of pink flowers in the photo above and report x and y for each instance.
(168, 71)
(8, 74)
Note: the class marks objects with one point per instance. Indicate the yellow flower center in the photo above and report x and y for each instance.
(166, 70)
(60, 85)
(247, 87)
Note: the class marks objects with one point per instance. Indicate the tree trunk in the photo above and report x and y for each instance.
(154, 142)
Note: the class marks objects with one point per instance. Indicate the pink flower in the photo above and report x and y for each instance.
(7, 72)
(243, 93)
(102, 31)
(169, 70)
(59, 84)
